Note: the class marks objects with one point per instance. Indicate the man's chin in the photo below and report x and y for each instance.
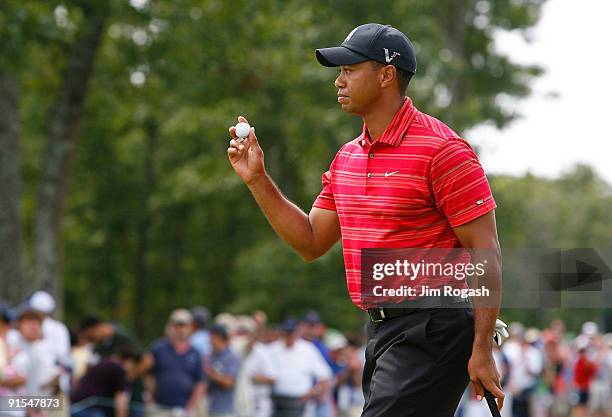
(347, 108)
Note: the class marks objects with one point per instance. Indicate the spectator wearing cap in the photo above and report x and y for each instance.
(221, 370)
(106, 384)
(313, 330)
(30, 357)
(200, 339)
(56, 337)
(259, 369)
(176, 368)
(297, 364)
(55, 340)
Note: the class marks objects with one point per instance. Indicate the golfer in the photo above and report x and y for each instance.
(407, 181)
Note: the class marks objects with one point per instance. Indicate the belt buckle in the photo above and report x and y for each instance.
(381, 310)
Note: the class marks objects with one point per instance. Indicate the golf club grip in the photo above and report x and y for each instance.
(492, 404)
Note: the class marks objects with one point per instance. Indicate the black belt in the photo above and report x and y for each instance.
(378, 314)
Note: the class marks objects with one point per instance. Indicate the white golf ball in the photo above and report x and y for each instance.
(242, 130)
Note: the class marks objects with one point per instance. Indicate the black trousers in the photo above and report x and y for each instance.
(416, 365)
(287, 406)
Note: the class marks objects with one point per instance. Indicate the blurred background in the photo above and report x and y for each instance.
(117, 197)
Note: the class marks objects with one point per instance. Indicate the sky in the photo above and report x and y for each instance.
(573, 43)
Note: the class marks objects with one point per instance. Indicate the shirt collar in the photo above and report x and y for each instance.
(394, 133)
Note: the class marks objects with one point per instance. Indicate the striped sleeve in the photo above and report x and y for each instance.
(459, 184)
(325, 200)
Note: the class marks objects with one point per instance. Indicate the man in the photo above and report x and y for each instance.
(12, 375)
(5, 325)
(297, 364)
(55, 340)
(33, 367)
(55, 333)
(83, 350)
(585, 371)
(526, 363)
(350, 396)
(108, 338)
(177, 369)
(408, 181)
(200, 339)
(105, 384)
(313, 330)
(221, 369)
(259, 370)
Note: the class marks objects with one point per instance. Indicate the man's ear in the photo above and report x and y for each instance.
(388, 76)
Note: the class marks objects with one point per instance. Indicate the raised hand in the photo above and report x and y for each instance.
(247, 157)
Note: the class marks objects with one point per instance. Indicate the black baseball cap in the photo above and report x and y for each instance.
(290, 325)
(312, 317)
(220, 330)
(372, 41)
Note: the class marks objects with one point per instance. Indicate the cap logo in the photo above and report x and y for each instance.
(387, 57)
(350, 34)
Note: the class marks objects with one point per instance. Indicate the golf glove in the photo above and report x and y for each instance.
(500, 333)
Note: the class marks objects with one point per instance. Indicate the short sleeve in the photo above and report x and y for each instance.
(198, 369)
(117, 378)
(232, 365)
(320, 368)
(460, 187)
(325, 200)
(155, 352)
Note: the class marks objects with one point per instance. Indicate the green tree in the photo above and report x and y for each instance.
(155, 218)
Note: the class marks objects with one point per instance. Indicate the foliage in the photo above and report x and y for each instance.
(156, 219)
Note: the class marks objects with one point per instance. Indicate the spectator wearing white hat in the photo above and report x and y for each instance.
(30, 360)
(56, 337)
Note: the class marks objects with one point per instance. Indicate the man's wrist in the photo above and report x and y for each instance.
(256, 181)
(483, 343)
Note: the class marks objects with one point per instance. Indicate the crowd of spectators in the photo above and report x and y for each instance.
(551, 373)
(241, 366)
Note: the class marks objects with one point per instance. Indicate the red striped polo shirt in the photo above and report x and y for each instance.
(406, 190)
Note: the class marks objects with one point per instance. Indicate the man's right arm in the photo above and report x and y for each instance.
(310, 235)
(121, 404)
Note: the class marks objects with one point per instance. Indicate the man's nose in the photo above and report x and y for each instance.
(339, 81)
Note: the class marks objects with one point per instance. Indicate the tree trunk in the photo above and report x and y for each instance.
(142, 279)
(453, 21)
(10, 182)
(63, 130)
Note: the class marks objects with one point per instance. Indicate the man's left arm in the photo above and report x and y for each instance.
(195, 397)
(480, 236)
(199, 388)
